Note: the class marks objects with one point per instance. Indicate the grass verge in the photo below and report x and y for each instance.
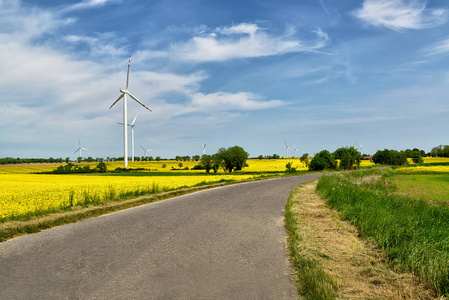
(413, 233)
(311, 281)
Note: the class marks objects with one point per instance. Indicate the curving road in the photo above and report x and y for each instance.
(222, 243)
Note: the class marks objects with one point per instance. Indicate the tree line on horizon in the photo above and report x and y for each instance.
(438, 151)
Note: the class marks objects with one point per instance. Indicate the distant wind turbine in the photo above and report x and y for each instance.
(294, 147)
(146, 150)
(125, 117)
(286, 148)
(80, 149)
(204, 148)
(132, 134)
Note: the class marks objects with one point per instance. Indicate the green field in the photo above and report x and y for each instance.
(429, 187)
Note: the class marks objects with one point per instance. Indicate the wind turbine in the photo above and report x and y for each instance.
(80, 149)
(132, 134)
(146, 150)
(125, 117)
(204, 148)
(286, 148)
(294, 147)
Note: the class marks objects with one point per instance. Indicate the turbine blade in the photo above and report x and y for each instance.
(143, 148)
(120, 123)
(77, 150)
(134, 120)
(137, 100)
(121, 96)
(127, 75)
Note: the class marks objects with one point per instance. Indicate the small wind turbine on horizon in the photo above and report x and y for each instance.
(125, 116)
(132, 135)
(286, 148)
(204, 148)
(294, 147)
(145, 150)
(80, 149)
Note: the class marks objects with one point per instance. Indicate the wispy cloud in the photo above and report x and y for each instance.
(438, 48)
(98, 45)
(244, 40)
(399, 15)
(222, 101)
(85, 4)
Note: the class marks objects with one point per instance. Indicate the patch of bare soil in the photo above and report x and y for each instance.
(360, 269)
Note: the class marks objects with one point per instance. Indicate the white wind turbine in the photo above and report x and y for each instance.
(132, 134)
(125, 117)
(286, 148)
(294, 147)
(204, 148)
(80, 149)
(146, 151)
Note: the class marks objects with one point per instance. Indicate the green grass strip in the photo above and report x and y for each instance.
(310, 280)
(413, 233)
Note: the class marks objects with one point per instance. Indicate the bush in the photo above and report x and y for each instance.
(323, 160)
(389, 157)
(290, 167)
(348, 157)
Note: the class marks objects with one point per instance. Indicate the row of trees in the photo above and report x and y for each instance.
(440, 151)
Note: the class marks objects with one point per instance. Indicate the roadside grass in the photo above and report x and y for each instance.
(310, 279)
(413, 233)
(334, 262)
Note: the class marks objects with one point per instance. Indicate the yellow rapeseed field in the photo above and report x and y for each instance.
(423, 169)
(30, 194)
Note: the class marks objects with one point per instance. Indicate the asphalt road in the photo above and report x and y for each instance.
(222, 243)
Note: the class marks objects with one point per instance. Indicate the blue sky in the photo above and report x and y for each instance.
(319, 74)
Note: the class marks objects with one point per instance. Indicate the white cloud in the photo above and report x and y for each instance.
(28, 22)
(439, 48)
(100, 45)
(222, 101)
(400, 14)
(86, 4)
(243, 41)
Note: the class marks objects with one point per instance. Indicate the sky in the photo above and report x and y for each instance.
(259, 74)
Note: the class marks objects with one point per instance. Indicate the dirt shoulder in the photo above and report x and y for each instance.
(359, 268)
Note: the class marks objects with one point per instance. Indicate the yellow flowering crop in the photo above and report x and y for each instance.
(30, 194)
(423, 169)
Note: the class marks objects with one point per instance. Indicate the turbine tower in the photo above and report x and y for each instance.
(294, 147)
(80, 149)
(286, 148)
(125, 117)
(204, 148)
(132, 134)
(146, 150)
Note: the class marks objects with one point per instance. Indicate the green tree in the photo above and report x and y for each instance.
(207, 162)
(101, 168)
(348, 156)
(389, 157)
(290, 168)
(305, 159)
(232, 159)
(416, 156)
(323, 160)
